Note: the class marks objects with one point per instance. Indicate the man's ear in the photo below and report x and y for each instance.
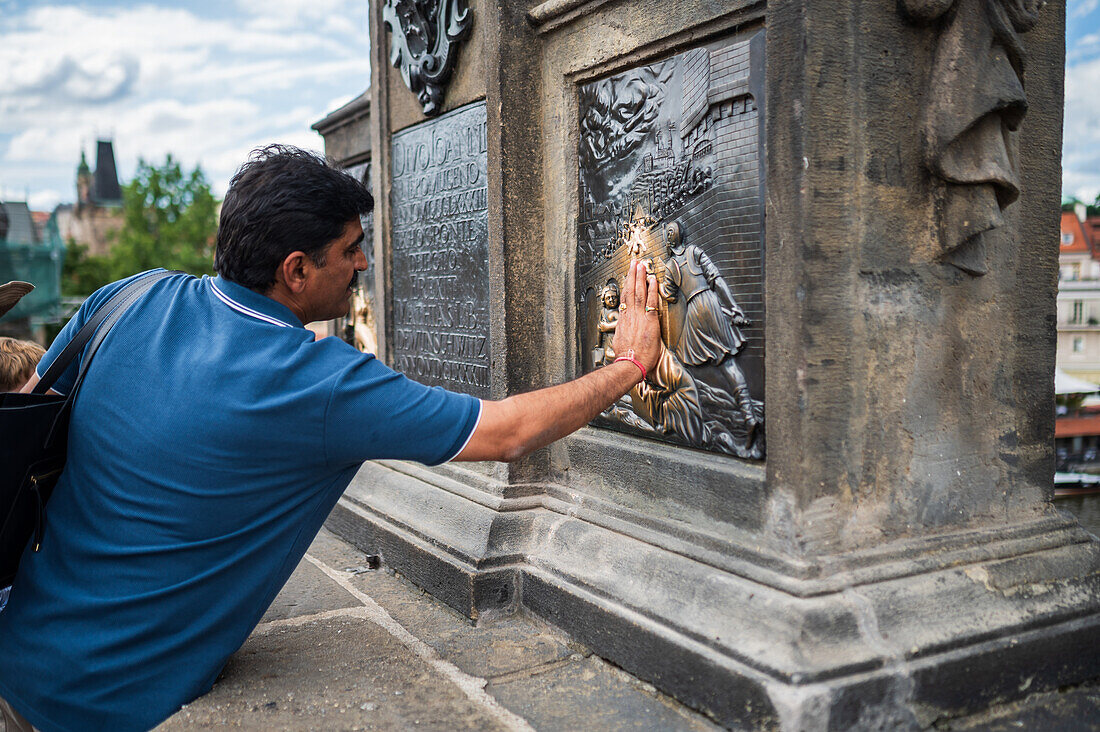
(293, 272)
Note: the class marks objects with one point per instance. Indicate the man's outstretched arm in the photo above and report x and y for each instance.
(513, 427)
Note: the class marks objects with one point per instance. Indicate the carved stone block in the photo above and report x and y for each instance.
(426, 35)
(670, 173)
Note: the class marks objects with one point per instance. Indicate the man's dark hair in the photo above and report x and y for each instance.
(283, 200)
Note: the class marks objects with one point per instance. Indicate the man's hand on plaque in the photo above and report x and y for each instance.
(639, 326)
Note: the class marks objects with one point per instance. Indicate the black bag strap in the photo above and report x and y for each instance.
(111, 311)
(114, 307)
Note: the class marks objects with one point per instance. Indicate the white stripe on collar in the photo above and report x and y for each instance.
(246, 310)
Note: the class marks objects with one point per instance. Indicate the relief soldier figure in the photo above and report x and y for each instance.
(708, 333)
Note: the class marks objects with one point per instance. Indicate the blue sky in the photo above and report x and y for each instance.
(204, 80)
(208, 80)
(1081, 144)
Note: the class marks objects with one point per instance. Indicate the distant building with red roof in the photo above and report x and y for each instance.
(1091, 227)
(1075, 251)
(40, 218)
(1078, 298)
(1078, 435)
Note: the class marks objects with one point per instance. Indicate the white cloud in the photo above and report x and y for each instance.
(96, 79)
(58, 54)
(338, 102)
(44, 144)
(1081, 8)
(281, 14)
(1086, 47)
(277, 75)
(1081, 131)
(164, 80)
(44, 200)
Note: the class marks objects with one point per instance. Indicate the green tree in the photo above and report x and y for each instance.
(1091, 209)
(83, 273)
(169, 220)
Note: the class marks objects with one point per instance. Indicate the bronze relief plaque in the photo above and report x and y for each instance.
(358, 328)
(670, 173)
(440, 252)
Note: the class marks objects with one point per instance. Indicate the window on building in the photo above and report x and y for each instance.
(1078, 312)
(1067, 238)
(1078, 344)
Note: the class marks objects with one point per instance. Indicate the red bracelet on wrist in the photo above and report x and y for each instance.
(630, 357)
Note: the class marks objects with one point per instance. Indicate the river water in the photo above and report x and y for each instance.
(1086, 508)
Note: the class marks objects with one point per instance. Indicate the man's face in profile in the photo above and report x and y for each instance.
(330, 287)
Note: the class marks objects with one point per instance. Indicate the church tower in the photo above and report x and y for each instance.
(97, 214)
(83, 182)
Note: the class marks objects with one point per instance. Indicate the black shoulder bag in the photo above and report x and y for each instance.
(34, 433)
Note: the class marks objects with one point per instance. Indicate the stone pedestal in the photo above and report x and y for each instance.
(863, 179)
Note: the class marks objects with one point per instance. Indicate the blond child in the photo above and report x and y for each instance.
(17, 362)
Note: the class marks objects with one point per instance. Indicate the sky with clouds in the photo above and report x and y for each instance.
(1081, 143)
(205, 80)
(208, 80)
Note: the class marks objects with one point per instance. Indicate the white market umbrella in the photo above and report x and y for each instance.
(1066, 384)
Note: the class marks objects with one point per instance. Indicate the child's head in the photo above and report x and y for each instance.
(17, 362)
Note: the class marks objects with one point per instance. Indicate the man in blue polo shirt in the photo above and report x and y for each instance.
(212, 437)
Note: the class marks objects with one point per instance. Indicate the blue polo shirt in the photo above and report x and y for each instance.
(211, 438)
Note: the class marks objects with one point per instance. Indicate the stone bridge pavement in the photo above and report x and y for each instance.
(344, 647)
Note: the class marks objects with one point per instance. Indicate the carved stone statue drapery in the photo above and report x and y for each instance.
(974, 105)
(425, 36)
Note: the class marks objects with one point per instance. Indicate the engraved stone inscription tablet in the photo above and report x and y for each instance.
(670, 174)
(440, 252)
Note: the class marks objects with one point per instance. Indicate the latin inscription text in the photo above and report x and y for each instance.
(440, 252)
